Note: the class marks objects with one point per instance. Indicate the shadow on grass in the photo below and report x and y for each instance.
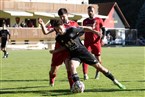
(112, 90)
(23, 80)
(40, 92)
(18, 88)
(52, 92)
(59, 92)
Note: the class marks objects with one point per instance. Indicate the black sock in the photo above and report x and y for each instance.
(109, 75)
(75, 77)
(5, 52)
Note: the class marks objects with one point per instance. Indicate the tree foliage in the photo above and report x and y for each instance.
(141, 22)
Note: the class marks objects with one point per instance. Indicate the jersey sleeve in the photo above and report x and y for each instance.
(84, 22)
(79, 31)
(75, 24)
(8, 32)
(101, 23)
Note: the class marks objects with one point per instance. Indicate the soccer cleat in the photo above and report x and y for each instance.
(97, 76)
(4, 56)
(86, 77)
(119, 84)
(7, 55)
(51, 84)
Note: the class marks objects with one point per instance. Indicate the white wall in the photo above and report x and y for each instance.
(58, 1)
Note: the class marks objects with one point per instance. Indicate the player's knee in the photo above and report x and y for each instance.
(93, 62)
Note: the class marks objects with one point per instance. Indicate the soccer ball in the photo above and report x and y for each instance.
(78, 87)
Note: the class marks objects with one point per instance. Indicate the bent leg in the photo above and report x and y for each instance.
(106, 72)
(57, 60)
(69, 76)
(52, 74)
(74, 65)
(97, 71)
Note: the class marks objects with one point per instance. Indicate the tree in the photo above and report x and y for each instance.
(141, 22)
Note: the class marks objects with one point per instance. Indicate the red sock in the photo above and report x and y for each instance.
(85, 68)
(70, 78)
(51, 77)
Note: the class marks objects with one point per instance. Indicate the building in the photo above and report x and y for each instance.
(31, 10)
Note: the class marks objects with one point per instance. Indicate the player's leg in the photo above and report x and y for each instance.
(69, 75)
(106, 72)
(52, 74)
(3, 48)
(55, 64)
(57, 60)
(90, 59)
(85, 66)
(74, 64)
(97, 75)
(96, 50)
(85, 71)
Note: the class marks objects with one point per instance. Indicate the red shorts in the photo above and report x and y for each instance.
(94, 48)
(59, 58)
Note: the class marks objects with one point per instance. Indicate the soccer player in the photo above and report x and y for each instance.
(92, 42)
(70, 39)
(5, 36)
(59, 58)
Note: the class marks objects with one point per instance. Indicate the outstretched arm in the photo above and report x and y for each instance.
(57, 50)
(44, 29)
(90, 29)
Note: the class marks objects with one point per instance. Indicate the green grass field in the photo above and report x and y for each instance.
(25, 74)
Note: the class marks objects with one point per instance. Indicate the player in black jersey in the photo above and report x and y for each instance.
(4, 33)
(70, 39)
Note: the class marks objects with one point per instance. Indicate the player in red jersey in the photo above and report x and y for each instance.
(59, 58)
(92, 41)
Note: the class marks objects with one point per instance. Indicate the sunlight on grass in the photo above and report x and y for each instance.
(25, 74)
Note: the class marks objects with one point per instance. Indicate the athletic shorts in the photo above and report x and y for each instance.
(60, 57)
(94, 48)
(3, 42)
(83, 55)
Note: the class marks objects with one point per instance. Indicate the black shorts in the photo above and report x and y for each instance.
(83, 55)
(3, 42)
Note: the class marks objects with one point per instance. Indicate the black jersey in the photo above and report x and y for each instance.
(71, 40)
(4, 33)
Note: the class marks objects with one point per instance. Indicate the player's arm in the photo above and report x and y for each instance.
(57, 50)
(90, 29)
(103, 30)
(44, 29)
(8, 35)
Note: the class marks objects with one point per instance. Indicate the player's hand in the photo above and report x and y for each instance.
(40, 21)
(51, 51)
(9, 40)
(102, 43)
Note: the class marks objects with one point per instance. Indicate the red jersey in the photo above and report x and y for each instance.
(71, 24)
(91, 38)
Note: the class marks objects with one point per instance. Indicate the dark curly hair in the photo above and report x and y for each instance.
(62, 11)
(56, 22)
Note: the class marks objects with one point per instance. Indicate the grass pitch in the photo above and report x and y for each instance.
(25, 74)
